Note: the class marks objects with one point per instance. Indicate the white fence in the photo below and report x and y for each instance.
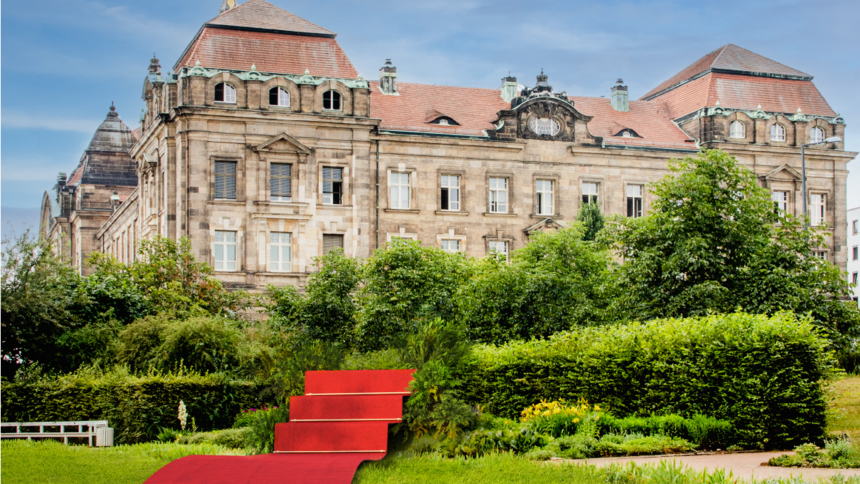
(88, 429)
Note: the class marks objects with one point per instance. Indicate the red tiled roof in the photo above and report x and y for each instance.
(257, 14)
(271, 52)
(75, 177)
(136, 133)
(745, 92)
(730, 58)
(474, 109)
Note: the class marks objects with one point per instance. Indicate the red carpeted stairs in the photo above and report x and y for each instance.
(341, 421)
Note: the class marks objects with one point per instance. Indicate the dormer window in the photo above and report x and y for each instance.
(279, 97)
(332, 101)
(816, 135)
(627, 133)
(737, 130)
(777, 132)
(225, 93)
(444, 121)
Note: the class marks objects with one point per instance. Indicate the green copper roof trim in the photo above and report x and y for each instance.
(254, 75)
(759, 114)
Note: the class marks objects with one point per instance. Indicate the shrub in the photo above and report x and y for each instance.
(764, 375)
(230, 438)
(262, 434)
(138, 407)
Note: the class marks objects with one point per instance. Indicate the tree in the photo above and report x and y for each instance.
(591, 220)
(715, 243)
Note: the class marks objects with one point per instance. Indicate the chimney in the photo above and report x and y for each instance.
(509, 88)
(619, 100)
(388, 78)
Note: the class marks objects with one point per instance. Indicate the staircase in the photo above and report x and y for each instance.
(341, 421)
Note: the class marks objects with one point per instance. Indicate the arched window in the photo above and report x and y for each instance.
(225, 93)
(332, 101)
(737, 130)
(278, 96)
(816, 135)
(777, 132)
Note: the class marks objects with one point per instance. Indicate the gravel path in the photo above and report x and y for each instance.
(745, 465)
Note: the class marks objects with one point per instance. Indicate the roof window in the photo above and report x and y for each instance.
(225, 93)
(777, 132)
(816, 135)
(444, 121)
(737, 130)
(279, 97)
(332, 101)
(627, 133)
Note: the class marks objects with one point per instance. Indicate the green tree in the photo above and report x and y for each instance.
(591, 220)
(406, 284)
(715, 243)
(556, 282)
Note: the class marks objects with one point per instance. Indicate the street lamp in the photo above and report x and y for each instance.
(834, 139)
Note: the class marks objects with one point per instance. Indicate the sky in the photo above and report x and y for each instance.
(62, 63)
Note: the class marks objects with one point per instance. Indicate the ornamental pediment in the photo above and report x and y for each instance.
(784, 173)
(546, 225)
(283, 143)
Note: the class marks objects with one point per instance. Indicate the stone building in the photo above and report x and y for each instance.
(266, 148)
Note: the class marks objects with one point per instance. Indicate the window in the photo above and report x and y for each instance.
(780, 201)
(400, 191)
(498, 195)
(280, 182)
(626, 134)
(451, 245)
(777, 132)
(279, 251)
(590, 192)
(737, 130)
(816, 135)
(854, 278)
(331, 242)
(225, 180)
(279, 97)
(634, 200)
(450, 192)
(854, 253)
(332, 101)
(499, 247)
(225, 250)
(225, 93)
(543, 189)
(817, 208)
(855, 227)
(820, 254)
(332, 186)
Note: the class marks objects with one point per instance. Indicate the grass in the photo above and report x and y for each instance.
(51, 462)
(845, 409)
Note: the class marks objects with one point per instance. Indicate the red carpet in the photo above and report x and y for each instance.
(341, 421)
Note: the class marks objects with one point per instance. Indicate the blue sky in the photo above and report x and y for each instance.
(64, 62)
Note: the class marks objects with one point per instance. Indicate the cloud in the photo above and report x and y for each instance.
(19, 120)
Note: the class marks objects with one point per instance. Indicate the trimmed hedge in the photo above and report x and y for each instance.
(767, 376)
(136, 406)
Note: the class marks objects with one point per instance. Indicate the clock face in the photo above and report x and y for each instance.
(544, 126)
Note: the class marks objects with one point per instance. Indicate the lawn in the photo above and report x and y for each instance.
(845, 409)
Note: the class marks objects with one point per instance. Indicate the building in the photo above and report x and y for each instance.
(266, 148)
(854, 251)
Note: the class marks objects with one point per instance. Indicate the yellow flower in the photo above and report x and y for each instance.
(576, 420)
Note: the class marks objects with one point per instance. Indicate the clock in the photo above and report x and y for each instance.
(544, 126)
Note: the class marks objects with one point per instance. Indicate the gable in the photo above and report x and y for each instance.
(782, 174)
(283, 143)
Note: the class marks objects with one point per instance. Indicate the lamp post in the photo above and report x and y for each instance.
(834, 139)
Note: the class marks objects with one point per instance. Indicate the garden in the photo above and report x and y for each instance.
(719, 332)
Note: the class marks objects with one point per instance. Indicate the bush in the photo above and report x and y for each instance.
(837, 454)
(764, 375)
(262, 433)
(230, 438)
(706, 432)
(138, 407)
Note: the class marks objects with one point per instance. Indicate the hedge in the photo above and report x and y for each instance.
(135, 406)
(765, 375)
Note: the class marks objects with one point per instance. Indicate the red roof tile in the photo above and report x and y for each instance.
(745, 92)
(75, 177)
(730, 58)
(474, 109)
(257, 14)
(271, 52)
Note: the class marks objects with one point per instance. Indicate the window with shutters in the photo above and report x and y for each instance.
(590, 192)
(278, 96)
(780, 201)
(225, 180)
(225, 93)
(544, 191)
(332, 185)
(634, 200)
(400, 191)
(332, 101)
(280, 244)
(331, 242)
(498, 195)
(450, 193)
(280, 182)
(817, 208)
(225, 251)
(451, 245)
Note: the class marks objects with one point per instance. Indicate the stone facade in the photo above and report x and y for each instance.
(264, 171)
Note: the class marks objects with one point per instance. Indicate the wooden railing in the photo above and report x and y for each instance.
(87, 429)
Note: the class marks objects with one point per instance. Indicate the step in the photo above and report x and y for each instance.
(331, 437)
(358, 382)
(334, 408)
